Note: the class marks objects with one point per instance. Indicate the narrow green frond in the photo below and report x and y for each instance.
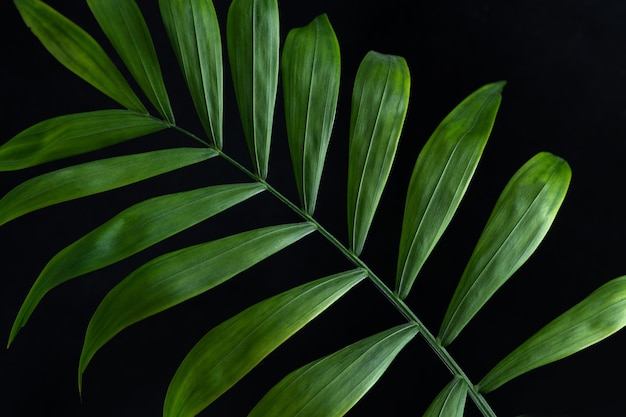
(78, 51)
(194, 33)
(440, 178)
(253, 37)
(94, 177)
(450, 402)
(520, 220)
(379, 103)
(125, 27)
(129, 232)
(74, 134)
(330, 386)
(595, 318)
(229, 351)
(311, 70)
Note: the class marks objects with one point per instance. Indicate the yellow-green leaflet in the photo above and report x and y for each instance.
(124, 25)
(194, 33)
(252, 39)
(94, 177)
(229, 351)
(518, 223)
(450, 402)
(78, 51)
(311, 69)
(74, 134)
(442, 173)
(595, 318)
(131, 231)
(330, 386)
(379, 103)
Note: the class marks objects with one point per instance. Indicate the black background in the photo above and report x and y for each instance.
(565, 63)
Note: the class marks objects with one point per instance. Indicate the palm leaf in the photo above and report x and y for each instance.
(332, 385)
(311, 67)
(78, 51)
(252, 37)
(131, 231)
(229, 351)
(94, 177)
(520, 219)
(195, 36)
(450, 402)
(440, 178)
(379, 103)
(124, 25)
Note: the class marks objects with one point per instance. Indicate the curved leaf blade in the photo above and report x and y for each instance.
(129, 232)
(194, 33)
(311, 70)
(332, 385)
(252, 38)
(74, 134)
(520, 219)
(450, 402)
(595, 318)
(229, 351)
(125, 27)
(440, 178)
(78, 52)
(379, 104)
(94, 177)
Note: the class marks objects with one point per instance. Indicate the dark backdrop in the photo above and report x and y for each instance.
(565, 62)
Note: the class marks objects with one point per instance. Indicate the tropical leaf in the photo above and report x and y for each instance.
(252, 37)
(595, 318)
(124, 25)
(440, 178)
(332, 385)
(311, 68)
(520, 219)
(94, 177)
(379, 103)
(131, 231)
(229, 351)
(451, 400)
(74, 134)
(194, 33)
(78, 51)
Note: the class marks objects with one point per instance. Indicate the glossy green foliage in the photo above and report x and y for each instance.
(311, 69)
(229, 351)
(194, 33)
(253, 41)
(598, 316)
(451, 400)
(78, 51)
(124, 25)
(440, 178)
(520, 219)
(332, 385)
(379, 103)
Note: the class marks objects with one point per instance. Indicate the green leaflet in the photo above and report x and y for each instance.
(519, 221)
(78, 51)
(330, 386)
(194, 33)
(440, 178)
(379, 104)
(252, 37)
(74, 134)
(595, 318)
(131, 231)
(311, 69)
(124, 25)
(94, 177)
(229, 351)
(450, 402)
